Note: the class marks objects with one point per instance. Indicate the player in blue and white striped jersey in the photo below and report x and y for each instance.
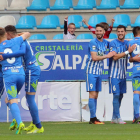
(96, 54)
(117, 71)
(135, 58)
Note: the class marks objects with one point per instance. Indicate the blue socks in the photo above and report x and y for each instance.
(15, 112)
(136, 105)
(116, 106)
(33, 110)
(120, 99)
(92, 107)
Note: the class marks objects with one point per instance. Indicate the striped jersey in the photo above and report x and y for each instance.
(117, 68)
(136, 65)
(96, 67)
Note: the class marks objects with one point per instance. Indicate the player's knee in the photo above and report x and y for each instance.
(93, 95)
(30, 93)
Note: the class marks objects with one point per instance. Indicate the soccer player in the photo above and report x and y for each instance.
(135, 58)
(1, 82)
(94, 66)
(68, 30)
(13, 73)
(117, 71)
(107, 28)
(32, 74)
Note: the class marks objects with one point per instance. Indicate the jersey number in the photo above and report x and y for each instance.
(137, 50)
(12, 60)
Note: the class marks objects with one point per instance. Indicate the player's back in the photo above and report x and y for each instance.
(136, 41)
(136, 66)
(29, 57)
(13, 65)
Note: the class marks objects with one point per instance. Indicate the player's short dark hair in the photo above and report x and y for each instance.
(99, 25)
(121, 26)
(2, 32)
(136, 31)
(10, 28)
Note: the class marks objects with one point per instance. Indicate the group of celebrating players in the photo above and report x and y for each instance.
(119, 49)
(14, 48)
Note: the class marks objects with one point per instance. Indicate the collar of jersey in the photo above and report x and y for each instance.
(3, 41)
(99, 41)
(120, 41)
(137, 37)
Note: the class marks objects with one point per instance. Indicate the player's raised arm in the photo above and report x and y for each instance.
(24, 35)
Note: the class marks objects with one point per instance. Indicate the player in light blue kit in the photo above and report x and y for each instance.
(32, 75)
(13, 73)
(135, 58)
(1, 82)
(94, 66)
(117, 71)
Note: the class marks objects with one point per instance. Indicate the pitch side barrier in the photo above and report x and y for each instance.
(65, 60)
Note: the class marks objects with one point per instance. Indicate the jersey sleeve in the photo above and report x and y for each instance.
(91, 29)
(65, 27)
(93, 47)
(18, 53)
(112, 47)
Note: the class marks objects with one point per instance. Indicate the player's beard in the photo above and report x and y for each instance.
(100, 37)
(121, 38)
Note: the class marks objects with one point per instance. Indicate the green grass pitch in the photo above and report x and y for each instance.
(76, 131)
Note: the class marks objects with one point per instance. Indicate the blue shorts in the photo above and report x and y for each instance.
(117, 85)
(13, 84)
(32, 76)
(93, 82)
(136, 83)
(1, 87)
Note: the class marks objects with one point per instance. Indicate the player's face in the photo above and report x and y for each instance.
(121, 33)
(71, 29)
(10, 35)
(99, 32)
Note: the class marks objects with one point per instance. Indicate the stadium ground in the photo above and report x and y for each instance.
(76, 131)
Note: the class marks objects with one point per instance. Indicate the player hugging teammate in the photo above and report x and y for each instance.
(15, 47)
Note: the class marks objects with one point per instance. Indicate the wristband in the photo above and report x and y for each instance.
(126, 52)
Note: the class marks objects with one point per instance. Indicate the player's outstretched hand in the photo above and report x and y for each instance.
(131, 48)
(1, 57)
(110, 54)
